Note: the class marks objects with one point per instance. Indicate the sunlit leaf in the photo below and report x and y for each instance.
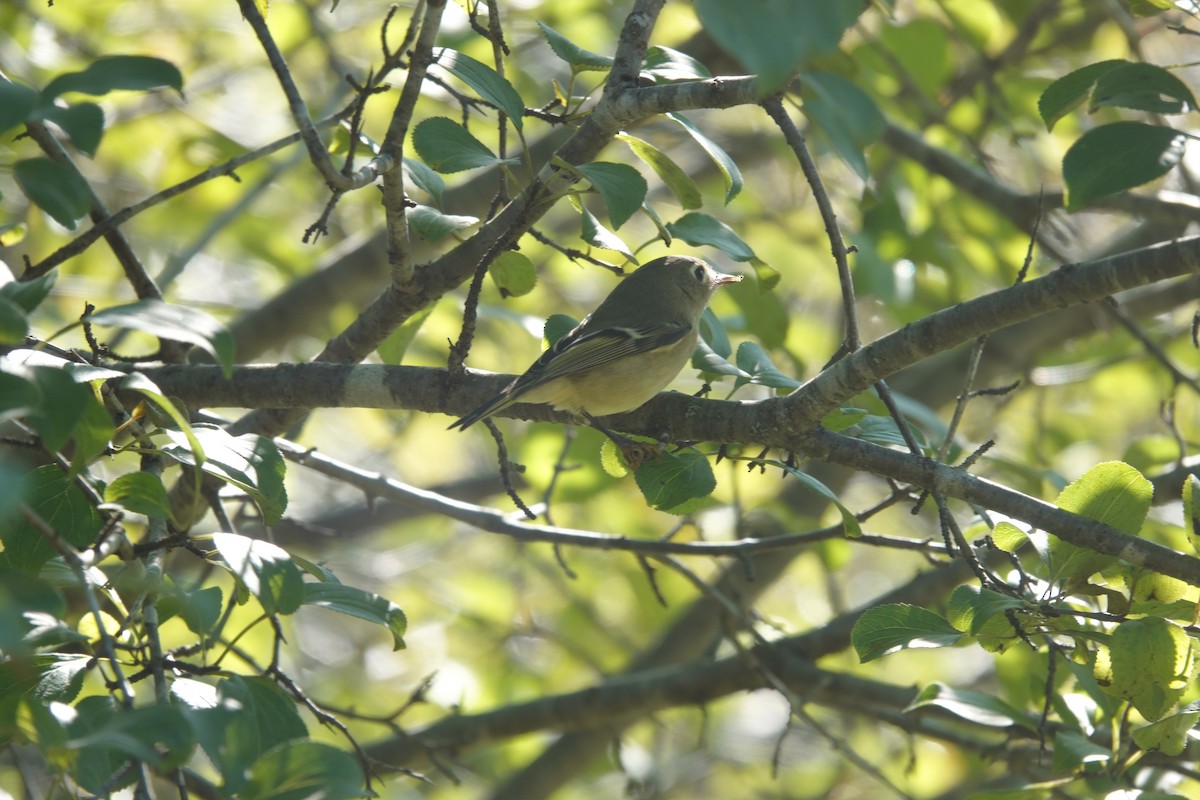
(433, 226)
(304, 770)
(699, 230)
(487, 83)
(173, 322)
(265, 569)
(978, 707)
(671, 174)
(355, 602)
(897, 626)
(513, 273)
(671, 480)
(729, 170)
(140, 492)
(580, 59)
(665, 64)
(448, 147)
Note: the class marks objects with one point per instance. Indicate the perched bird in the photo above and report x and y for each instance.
(624, 352)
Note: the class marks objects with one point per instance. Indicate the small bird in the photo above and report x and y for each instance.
(624, 352)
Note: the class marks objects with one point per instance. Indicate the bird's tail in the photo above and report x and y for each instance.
(498, 402)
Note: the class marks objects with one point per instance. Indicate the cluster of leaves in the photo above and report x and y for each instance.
(55, 186)
(249, 727)
(1130, 652)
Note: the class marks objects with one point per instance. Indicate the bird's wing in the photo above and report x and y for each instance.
(596, 348)
(578, 351)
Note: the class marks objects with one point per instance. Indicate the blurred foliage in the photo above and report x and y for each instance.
(304, 627)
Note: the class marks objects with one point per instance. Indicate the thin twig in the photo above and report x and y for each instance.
(837, 245)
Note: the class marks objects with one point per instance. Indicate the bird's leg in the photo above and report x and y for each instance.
(636, 453)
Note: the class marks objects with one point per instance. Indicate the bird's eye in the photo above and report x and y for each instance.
(698, 273)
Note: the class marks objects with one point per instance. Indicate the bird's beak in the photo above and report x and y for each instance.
(722, 277)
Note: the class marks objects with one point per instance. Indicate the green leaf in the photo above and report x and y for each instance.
(898, 626)
(673, 479)
(729, 170)
(1151, 664)
(139, 492)
(241, 720)
(1073, 750)
(265, 569)
(595, 234)
(56, 499)
(556, 327)
(14, 325)
(137, 382)
(304, 770)
(757, 364)
(110, 73)
(1169, 735)
(622, 187)
(448, 147)
(1144, 87)
(1191, 510)
(28, 295)
(513, 273)
(841, 419)
(1113, 493)
(671, 174)
(392, 350)
(487, 83)
(1069, 91)
(177, 323)
(846, 115)
(982, 613)
(1150, 8)
(713, 364)
(199, 610)
(250, 462)
(771, 38)
(51, 402)
(13, 233)
(977, 707)
(1119, 156)
(92, 434)
(665, 64)
(358, 603)
(55, 188)
(83, 122)
(713, 333)
(17, 103)
(60, 675)
(106, 736)
(433, 226)
(1008, 537)
(581, 60)
(425, 179)
(699, 229)
(24, 598)
(849, 521)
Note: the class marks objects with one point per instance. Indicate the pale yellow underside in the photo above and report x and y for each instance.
(622, 385)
